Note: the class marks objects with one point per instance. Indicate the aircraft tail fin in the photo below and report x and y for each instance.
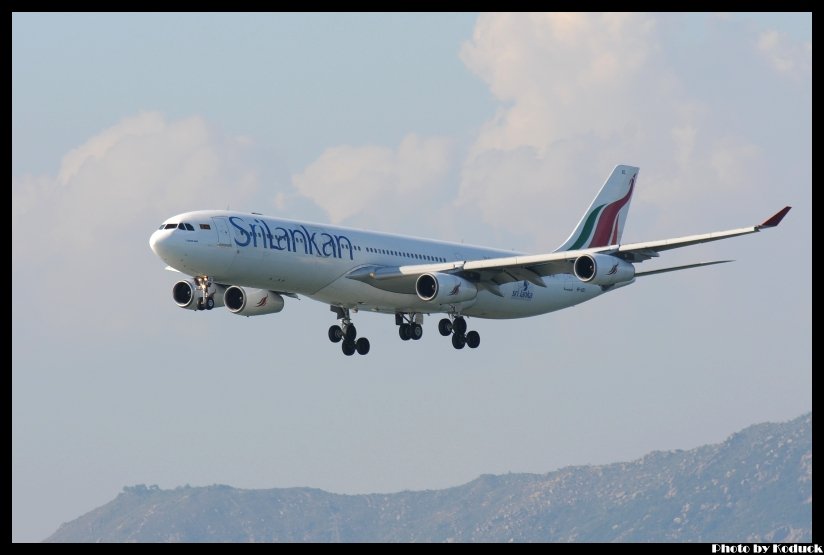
(603, 222)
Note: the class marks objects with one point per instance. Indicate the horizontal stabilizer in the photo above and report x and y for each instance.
(674, 268)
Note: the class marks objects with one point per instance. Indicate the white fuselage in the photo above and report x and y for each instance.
(286, 256)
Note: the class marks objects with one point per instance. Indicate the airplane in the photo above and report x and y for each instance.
(250, 263)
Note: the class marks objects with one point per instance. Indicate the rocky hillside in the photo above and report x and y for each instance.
(755, 486)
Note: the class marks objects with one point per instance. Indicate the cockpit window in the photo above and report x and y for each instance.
(171, 226)
(186, 226)
(162, 226)
(205, 226)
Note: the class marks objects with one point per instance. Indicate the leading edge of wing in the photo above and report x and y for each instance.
(637, 252)
(523, 261)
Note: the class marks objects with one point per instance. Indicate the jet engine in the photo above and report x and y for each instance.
(444, 288)
(603, 269)
(252, 302)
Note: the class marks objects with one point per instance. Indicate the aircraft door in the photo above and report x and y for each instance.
(222, 227)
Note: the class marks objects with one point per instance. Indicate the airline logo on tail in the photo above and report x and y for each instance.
(605, 220)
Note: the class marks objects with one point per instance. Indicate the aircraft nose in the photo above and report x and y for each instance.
(157, 241)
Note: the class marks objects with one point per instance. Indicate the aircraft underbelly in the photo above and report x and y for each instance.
(355, 294)
(523, 299)
(520, 299)
(281, 271)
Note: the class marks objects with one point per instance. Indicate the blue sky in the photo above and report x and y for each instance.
(491, 129)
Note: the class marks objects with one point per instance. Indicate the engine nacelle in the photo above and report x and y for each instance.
(603, 269)
(444, 288)
(252, 302)
(187, 295)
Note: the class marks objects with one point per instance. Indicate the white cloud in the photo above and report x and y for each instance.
(784, 55)
(564, 73)
(84, 232)
(141, 169)
(570, 84)
(345, 180)
(579, 94)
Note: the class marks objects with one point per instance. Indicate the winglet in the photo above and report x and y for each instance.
(775, 219)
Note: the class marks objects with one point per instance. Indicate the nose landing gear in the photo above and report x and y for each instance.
(206, 301)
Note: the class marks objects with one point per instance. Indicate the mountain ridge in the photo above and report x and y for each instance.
(754, 486)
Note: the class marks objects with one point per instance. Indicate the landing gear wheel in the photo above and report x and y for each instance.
(335, 334)
(415, 331)
(445, 327)
(362, 346)
(210, 303)
(348, 347)
(200, 304)
(473, 339)
(458, 340)
(459, 325)
(350, 333)
(404, 332)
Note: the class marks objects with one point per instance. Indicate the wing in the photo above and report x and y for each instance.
(490, 273)
(638, 252)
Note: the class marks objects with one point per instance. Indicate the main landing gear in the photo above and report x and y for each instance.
(409, 326)
(460, 337)
(346, 334)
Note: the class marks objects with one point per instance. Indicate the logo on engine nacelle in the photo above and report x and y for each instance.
(262, 302)
(455, 290)
(613, 269)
